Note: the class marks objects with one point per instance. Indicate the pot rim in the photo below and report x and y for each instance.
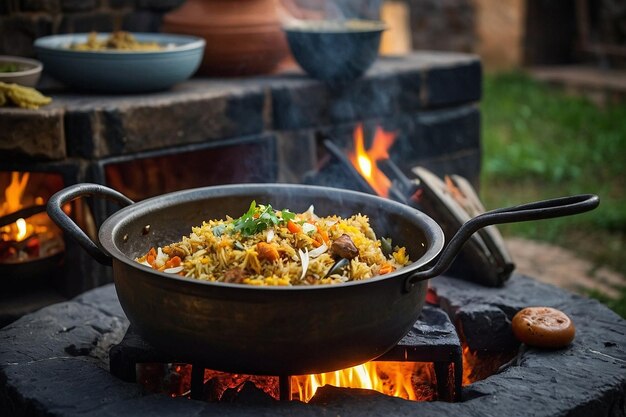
(334, 27)
(111, 228)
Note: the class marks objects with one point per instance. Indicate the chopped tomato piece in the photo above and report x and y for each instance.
(294, 227)
(324, 235)
(151, 257)
(173, 262)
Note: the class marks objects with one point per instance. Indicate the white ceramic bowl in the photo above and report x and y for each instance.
(114, 71)
(29, 70)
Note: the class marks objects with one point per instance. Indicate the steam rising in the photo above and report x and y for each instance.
(293, 12)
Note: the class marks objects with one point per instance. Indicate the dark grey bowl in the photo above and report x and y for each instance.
(335, 52)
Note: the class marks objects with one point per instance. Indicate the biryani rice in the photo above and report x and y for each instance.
(281, 252)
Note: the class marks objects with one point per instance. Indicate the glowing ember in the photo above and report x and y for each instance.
(365, 160)
(409, 380)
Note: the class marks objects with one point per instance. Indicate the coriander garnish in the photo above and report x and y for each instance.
(259, 218)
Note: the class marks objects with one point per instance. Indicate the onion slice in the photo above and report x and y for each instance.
(311, 211)
(309, 228)
(304, 257)
(270, 235)
(318, 251)
(174, 270)
(161, 258)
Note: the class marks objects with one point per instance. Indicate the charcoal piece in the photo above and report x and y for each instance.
(248, 394)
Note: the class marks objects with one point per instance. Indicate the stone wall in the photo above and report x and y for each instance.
(23, 21)
(448, 25)
(514, 33)
(492, 30)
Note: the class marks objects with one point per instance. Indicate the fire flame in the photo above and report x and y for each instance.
(365, 160)
(14, 192)
(13, 197)
(22, 229)
(396, 379)
(28, 237)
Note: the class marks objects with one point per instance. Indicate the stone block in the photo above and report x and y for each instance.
(437, 135)
(86, 22)
(465, 163)
(119, 4)
(18, 32)
(296, 152)
(46, 6)
(62, 327)
(155, 173)
(392, 86)
(142, 21)
(159, 5)
(31, 135)
(81, 132)
(188, 113)
(445, 79)
(312, 104)
(453, 84)
(81, 272)
(517, 293)
(78, 5)
(477, 320)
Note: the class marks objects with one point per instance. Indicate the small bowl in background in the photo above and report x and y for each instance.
(121, 71)
(18, 70)
(335, 51)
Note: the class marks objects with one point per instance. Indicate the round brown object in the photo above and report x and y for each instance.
(543, 327)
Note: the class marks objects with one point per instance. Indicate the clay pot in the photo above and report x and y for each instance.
(243, 37)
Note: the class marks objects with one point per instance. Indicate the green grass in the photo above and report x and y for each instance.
(540, 143)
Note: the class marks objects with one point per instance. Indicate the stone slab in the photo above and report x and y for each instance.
(196, 111)
(51, 362)
(393, 85)
(432, 330)
(88, 125)
(433, 133)
(32, 134)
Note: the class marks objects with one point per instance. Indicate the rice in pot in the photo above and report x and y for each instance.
(277, 247)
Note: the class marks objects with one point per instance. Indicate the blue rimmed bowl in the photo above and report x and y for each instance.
(116, 71)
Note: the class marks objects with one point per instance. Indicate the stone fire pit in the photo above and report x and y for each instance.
(55, 362)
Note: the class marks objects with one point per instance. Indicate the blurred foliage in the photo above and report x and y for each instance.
(618, 304)
(539, 142)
